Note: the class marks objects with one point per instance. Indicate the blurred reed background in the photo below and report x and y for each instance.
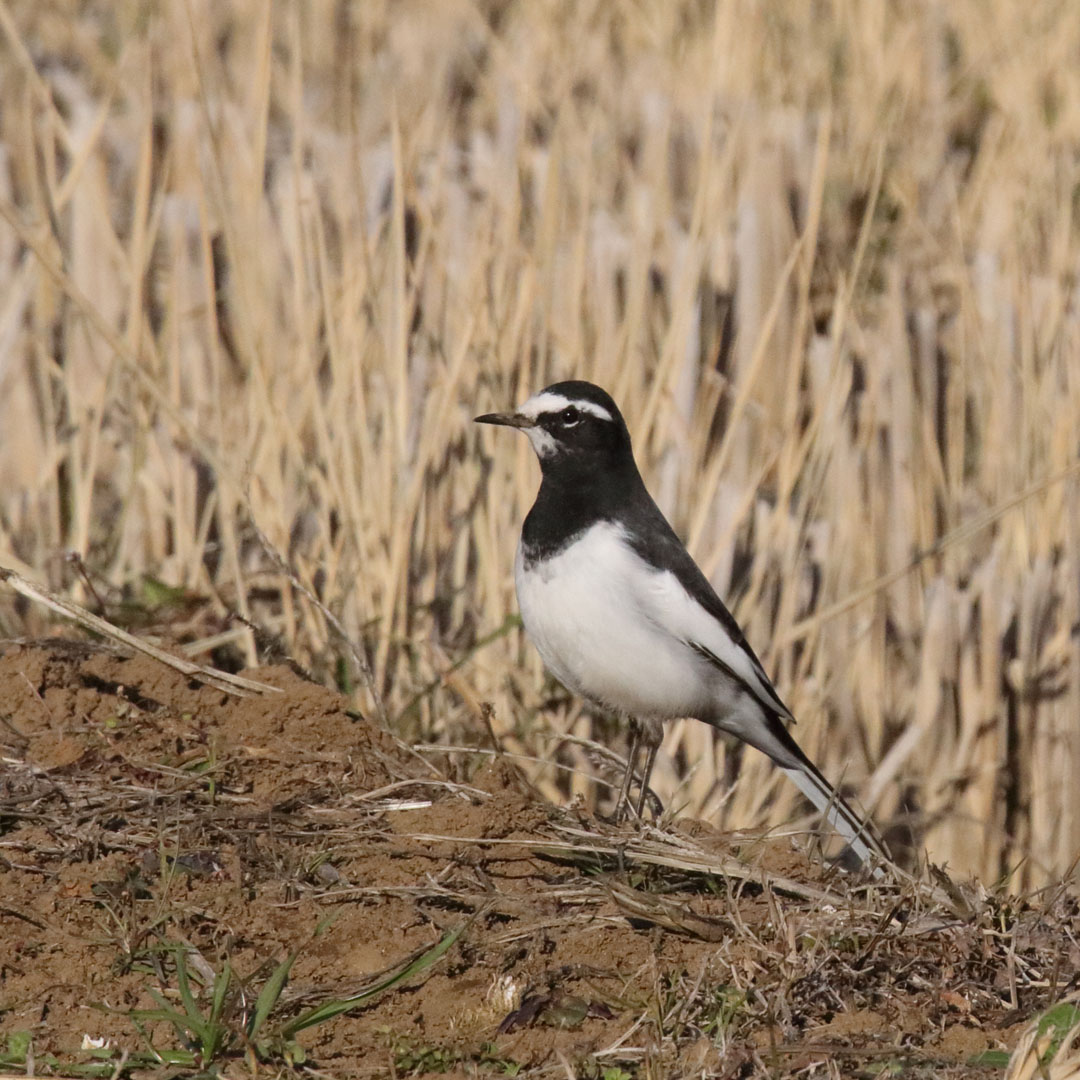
(261, 263)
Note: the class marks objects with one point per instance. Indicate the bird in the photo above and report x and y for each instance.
(622, 615)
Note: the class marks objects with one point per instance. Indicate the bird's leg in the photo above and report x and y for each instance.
(652, 733)
(631, 760)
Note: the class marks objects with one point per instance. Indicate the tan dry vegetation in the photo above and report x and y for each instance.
(260, 265)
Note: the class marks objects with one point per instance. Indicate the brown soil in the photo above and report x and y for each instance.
(141, 812)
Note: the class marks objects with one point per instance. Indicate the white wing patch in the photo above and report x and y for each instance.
(670, 606)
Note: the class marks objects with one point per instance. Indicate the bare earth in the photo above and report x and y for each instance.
(142, 814)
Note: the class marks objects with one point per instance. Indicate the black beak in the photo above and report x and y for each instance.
(506, 419)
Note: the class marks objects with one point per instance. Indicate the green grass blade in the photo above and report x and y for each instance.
(221, 989)
(324, 924)
(156, 1016)
(184, 985)
(1058, 1021)
(328, 1010)
(164, 1012)
(269, 995)
(18, 1046)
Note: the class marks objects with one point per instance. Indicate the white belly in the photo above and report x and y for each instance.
(591, 611)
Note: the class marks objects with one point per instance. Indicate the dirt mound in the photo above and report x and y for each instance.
(156, 834)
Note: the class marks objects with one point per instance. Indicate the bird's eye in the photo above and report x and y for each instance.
(569, 416)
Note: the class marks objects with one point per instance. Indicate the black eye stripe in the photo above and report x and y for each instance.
(570, 415)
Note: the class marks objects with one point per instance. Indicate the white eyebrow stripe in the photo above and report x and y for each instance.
(542, 403)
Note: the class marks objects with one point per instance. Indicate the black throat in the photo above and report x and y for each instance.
(576, 494)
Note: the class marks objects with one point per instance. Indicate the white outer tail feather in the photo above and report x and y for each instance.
(855, 831)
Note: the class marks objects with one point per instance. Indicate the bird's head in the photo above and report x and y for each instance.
(572, 426)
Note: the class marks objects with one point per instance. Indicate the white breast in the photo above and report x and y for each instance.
(598, 615)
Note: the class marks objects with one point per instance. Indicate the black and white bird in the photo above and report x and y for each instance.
(620, 612)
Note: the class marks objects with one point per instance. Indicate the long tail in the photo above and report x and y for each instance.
(857, 831)
(860, 835)
(759, 722)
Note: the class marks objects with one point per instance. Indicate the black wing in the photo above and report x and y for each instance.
(654, 541)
